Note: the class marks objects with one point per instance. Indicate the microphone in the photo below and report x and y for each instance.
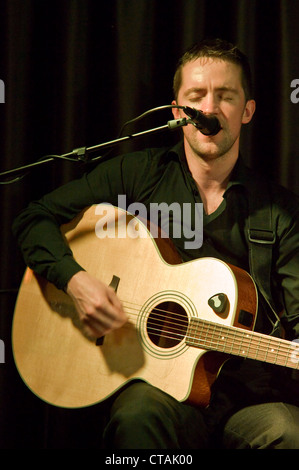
(208, 125)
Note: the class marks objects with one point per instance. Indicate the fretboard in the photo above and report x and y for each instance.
(237, 342)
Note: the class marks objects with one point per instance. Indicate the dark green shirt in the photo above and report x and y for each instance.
(156, 176)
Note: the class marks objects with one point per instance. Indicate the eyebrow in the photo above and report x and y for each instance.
(223, 89)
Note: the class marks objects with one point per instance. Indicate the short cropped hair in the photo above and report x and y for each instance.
(215, 49)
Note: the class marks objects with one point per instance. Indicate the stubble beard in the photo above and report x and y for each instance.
(211, 150)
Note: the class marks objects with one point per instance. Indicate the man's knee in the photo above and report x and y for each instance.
(286, 428)
(141, 416)
(141, 398)
(265, 426)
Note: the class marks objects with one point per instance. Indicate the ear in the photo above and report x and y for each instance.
(248, 111)
(175, 111)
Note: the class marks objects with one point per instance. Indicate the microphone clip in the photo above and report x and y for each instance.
(207, 125)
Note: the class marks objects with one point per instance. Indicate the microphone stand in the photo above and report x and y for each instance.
(81, 154)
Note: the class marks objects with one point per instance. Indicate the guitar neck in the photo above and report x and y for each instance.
(237, 342)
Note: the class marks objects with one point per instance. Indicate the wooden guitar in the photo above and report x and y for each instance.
(185, 319)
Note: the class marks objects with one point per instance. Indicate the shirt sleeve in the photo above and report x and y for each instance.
(37, 228)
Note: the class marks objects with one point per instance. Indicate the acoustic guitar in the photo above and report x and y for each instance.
(184, 319)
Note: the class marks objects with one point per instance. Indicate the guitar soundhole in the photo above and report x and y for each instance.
(167, 324)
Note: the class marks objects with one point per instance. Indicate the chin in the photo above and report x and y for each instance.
(212, 149)
(209, 150)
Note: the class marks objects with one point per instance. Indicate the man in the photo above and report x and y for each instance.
(249, 408)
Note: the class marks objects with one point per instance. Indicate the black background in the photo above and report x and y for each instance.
(74, 72)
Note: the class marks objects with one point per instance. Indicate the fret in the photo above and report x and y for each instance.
(192, 333)
(267, 352)
(223, 338)
(205, 343)
(276, 352)
(203, 332)
(245, 345)
(251, 337)
(214, 339)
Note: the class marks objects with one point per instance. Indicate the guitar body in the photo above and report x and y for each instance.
(65, 368)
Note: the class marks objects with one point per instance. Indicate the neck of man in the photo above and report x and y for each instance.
(211, 175)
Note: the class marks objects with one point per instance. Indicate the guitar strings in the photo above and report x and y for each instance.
(229, 329)
(262, 352)
(280, 349)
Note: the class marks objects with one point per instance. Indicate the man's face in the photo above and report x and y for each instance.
(214, 87)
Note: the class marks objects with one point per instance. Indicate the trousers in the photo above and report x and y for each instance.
(144, 417)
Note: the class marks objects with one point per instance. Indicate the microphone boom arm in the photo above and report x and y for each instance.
(81, 154)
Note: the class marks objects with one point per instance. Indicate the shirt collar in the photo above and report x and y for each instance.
(239, 175)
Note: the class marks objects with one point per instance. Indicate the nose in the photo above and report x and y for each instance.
(209, 104)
